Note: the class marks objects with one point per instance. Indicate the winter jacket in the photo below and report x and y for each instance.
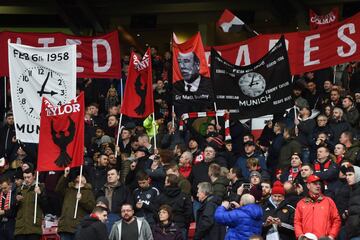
(97, 177)
(353, 220)
(147, 197)
(352, 116)
(243, 222)
(91, 229)
(338, 127)
(167, 232)
(199, 173)
(328, 172)
(67, 223)
(184, 185)
(144, 231)
(306, 128)
(219, 187)
(342, 197)
(25, 210)
(179, 202)
(148, 125)
(169, 141)
(285, 212)
(290, 146)
(206, 227)
(7, 147)
(318, 217)
(352, 152)
(274, 151)
(241, 163)
(120, 196)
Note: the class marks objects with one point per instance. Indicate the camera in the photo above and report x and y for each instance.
(232, 206)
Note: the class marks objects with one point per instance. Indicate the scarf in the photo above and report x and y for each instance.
(293, 174)
(315, 197)
(5, 205)
(109, 190)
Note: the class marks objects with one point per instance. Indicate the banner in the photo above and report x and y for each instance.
(318, 21)
(228, 22)
(255, 90)
(97, 56)
(138, 98)
(307, 51)
(192, 90)
(61, 142)
(39, 72)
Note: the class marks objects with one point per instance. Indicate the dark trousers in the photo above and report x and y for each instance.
(7, 230)
(27, 237)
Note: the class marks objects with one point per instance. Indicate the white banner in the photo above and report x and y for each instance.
(34, 73)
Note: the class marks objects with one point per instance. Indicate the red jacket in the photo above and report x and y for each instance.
(318, 217)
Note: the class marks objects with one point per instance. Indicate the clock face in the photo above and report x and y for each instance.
(45, 82)
(252, 84)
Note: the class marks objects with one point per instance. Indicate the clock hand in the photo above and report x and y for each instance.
(41, 92)
(252, 81)
(52, 93)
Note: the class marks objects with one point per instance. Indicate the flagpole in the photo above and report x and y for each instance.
(78, 192)
(173, 115)
(154, 128)
(216, 116)
(334, 73)
(121, 91)
(118, 135)
(36, 195)
(5, 97)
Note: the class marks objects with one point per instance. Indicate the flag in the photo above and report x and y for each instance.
(39, 72)
(192, 88)
(61, 135)
(228, 22)
(255, 90)
(138, 97)
(319, 21)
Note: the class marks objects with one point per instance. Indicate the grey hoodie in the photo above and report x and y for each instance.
(144, 230)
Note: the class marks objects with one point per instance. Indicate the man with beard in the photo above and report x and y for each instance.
(130, 227)
(316, 213)
(93, 227)
(265, 190)
(351, 114)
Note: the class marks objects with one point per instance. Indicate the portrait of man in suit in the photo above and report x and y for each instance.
(189, 65)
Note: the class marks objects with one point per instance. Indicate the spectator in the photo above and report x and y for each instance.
(24, 225)
(352, 222)
(93, 227)
(184, 184)
(178, 201)
(275, 147)
(185, 164)
(144, 197)
(124, 143)
(351, 114)
(112, 98)
(339, 152)
(116, 193)
(278, 211)
(130, 227)
(111, 217)
(7, 209)
(352, 147)
(8, 139)
(338, 125)
(206, 227)
(235, 181)
(265, 190)
(97, 173)
(293, 173)
(291, 146)
(316, 213)
(243, 221)
(172, 137)
(166, 229)
(69, 192)
(219, 183)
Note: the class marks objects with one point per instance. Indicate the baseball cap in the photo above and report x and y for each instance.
(313, 178)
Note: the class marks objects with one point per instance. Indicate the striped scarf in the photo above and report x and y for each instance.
(5, 205)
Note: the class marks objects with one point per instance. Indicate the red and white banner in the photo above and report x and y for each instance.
(318, 21)
(97, 56)
(61, 135)
(307, 51)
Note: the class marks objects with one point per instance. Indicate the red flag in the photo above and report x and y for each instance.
(138, 97)
(61, 141)
(318, 21)
(228, 22)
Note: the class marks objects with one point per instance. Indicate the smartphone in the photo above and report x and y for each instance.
(247, 185)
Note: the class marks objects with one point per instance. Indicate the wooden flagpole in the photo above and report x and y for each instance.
(78, 192)
(118, 134)
(36, 195)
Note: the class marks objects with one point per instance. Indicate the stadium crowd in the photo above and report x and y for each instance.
(299, 180)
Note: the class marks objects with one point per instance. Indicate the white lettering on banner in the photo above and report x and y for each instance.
(252, 102)
(349, 41)
(207, 56)
(308, 50)
(78, 54)
(272, 43)
(243, 52)
(106, 45)
(28, 128)
(46, 41)
(69, 108)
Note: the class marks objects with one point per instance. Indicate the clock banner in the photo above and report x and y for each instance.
(192, 90)
(318, 21)
(138, 97)
(97, 56)
(261, 88)
(308, 50)
(61, 135)
(35, 73)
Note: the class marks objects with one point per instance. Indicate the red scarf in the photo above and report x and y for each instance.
(93, 215)
(316, 197)
(292, 174)
(6, 206)
(185, 170)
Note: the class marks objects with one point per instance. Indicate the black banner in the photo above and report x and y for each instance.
(255, 90)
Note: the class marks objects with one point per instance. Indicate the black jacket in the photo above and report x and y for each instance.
(167, 232)
(120, 196)
(206, 227)
(179, 202)
(353, 221)
(338, 127)
(91, 229)
(285, 212)
(199, 173)
(147, 197)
